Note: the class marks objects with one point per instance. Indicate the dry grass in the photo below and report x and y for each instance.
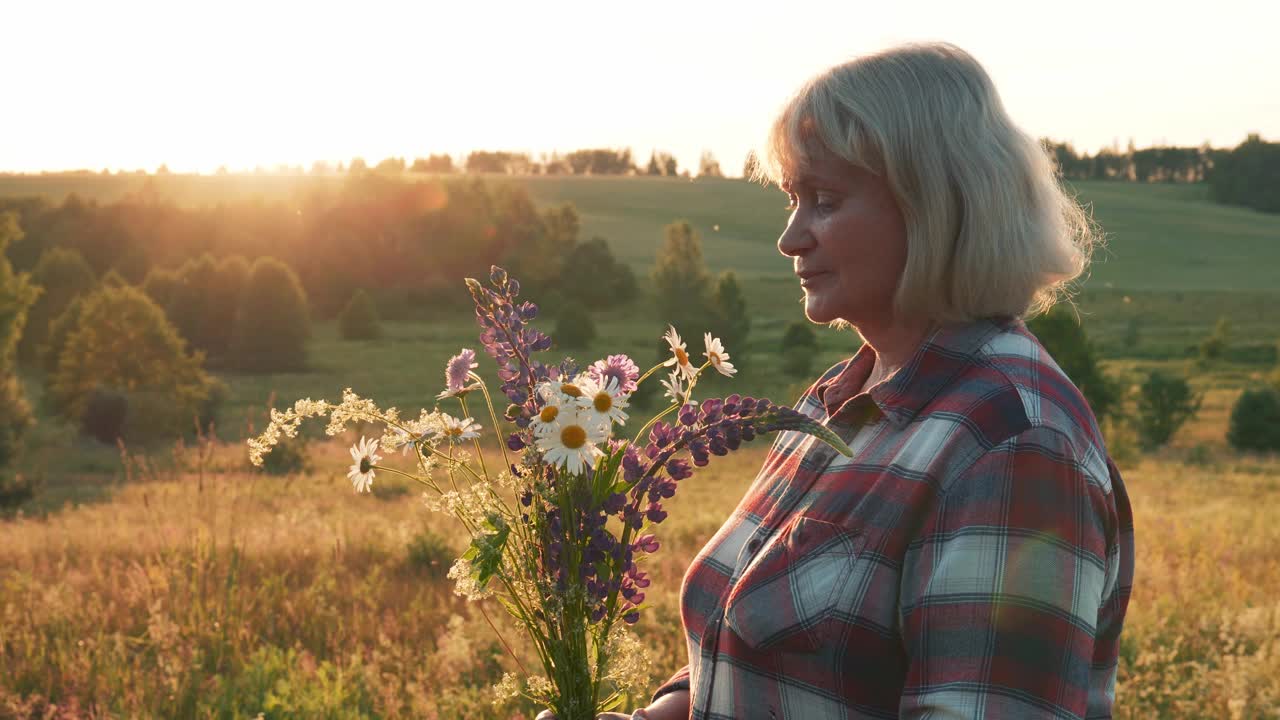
(201, 590)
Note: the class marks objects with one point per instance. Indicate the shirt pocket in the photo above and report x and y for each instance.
(788, 597)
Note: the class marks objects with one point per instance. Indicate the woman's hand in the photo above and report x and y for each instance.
(672, 706)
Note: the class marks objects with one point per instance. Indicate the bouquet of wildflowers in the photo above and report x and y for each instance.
(559, 531)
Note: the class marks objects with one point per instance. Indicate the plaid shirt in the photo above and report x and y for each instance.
(973, 559)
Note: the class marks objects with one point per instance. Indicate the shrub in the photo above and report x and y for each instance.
(16, 489)
(359, 319)
(63, 274)
(1255, 421)
(574, 327)
(1165, 403)
(799, 334)
(1064, 339)
(797, 361)
(104, 415)
(189, 304)
(428, 553)
(1213, 346)
(123, 341)
(288, 457)
(273, 324)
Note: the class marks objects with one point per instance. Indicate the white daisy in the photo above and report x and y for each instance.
(675, 388)
(718, 357)
(365, 457)
(679, 356)
(604, 401)
(458, 430)
(554, 402)
(573, 447)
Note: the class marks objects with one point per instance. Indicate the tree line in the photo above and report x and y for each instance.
(1247, 175)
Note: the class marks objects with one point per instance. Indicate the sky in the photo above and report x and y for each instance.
(198, 85)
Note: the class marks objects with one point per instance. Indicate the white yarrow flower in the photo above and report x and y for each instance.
(573, 447)
(717, 355)
(365, 457)
(679, 355)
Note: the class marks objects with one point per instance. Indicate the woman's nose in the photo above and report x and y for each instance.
(795, 239)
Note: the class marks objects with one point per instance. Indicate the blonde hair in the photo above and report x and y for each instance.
(990, 231)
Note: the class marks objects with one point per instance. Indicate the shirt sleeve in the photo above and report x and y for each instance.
(1002, 587)
(679, 681)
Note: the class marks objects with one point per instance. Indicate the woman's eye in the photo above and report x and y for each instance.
(825, 204)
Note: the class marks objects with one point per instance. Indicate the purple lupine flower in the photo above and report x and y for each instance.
(515, 443)
(647, 542)
(457, 371)
(616, 367)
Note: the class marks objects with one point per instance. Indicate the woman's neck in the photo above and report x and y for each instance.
(894, 344)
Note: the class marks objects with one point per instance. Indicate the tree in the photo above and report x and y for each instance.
(591, 275)
(730, 320)
(273, 323)
(124, 344)
(63, 274)
(574, 327)
(357, 166)
(17, 295)
(359, 319)
(1165, 403)
(1249, 176)
(390, 166)
(432, 164)
(1213, 346)
(708, 166)
(1064, 338)
(680, 278)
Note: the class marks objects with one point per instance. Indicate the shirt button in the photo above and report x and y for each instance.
(754, 545)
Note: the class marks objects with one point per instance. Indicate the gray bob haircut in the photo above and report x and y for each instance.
(990, 231)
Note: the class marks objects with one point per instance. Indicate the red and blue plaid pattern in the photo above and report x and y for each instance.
(973, 559)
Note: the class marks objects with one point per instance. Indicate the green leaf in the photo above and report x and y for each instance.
(485, 553)
(798, 422)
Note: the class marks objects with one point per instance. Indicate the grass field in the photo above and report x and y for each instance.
(172, 582)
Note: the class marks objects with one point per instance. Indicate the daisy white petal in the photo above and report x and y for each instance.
(365, 456)
(604, 401)
(717, 355)
(574, 446)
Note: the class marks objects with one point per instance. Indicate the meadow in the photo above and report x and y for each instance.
(173, 581)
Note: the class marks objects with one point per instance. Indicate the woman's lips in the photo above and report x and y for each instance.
(807, 279)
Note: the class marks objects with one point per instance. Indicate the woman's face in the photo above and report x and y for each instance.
(848, 241)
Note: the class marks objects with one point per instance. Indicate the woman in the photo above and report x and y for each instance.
(974, 558)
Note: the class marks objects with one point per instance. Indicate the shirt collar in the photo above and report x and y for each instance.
(947, 351)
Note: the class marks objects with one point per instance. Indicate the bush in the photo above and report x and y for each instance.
(63, 274)
(574, 327)
(16, 418)
(428, 553)
(1064, 339)
(359, 319)
(16, 489)
(799, 334)
(1165, 403)
(680, 280)
(123, 341)
(1255, 421)
(104, 415)
(273, 324)
(1213, 346)
(288, 457)
(797, 361)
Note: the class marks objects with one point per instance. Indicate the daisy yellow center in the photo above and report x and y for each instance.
(603, 402)
(454, 431)
(715, 357)
(366, 464)
(573, 437)
(571, 390)
(681, 356)
(548, 413)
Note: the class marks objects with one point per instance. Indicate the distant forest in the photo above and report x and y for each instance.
(1247, 175)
